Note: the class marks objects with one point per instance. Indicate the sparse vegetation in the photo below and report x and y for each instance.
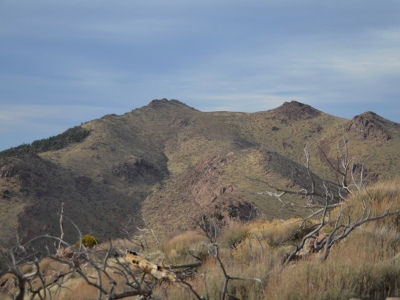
(234, 236)
(72, 135)
(365, 265)
(184, 248)
(213, 165)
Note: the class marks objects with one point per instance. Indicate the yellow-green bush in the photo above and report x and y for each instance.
(234, 236)
(177, 250)
(88, 241)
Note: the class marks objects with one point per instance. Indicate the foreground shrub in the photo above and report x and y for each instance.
(179, 249)
(88, 241)
(365, 264)
(334, 280)
(232, 237)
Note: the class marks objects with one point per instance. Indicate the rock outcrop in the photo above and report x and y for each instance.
(294, 111)
(368, 127)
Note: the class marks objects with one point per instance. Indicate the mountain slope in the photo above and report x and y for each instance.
(165, 164)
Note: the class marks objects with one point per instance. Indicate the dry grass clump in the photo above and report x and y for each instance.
(209, 281)
(177, 250)
(266, 242)
(338, 280)
(233, 236)
(379, 197)
(213, 280)
(278, 232)
(364, 265)
(78, 289)
(81, 291)
(361, 266)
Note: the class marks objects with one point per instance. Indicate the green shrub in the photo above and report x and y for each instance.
(72, 135)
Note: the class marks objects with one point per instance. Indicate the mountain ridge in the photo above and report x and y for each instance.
(164, 164)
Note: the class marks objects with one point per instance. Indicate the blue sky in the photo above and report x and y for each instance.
(67, 62)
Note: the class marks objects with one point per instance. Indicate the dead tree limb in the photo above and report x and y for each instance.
(38, 284)
(210, 230)
(61, 224)
(334, 196)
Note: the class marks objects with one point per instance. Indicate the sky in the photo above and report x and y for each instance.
(63, 63)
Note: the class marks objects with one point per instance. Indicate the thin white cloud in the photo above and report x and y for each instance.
(131, 31)
(230, 55)
(26, 123)
(239, 103)
(23, 115)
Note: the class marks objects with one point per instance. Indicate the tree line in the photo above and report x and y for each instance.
(72, 135)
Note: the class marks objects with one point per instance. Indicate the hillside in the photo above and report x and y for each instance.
(166, 163)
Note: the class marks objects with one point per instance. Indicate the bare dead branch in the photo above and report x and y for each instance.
(345, 222)
(61, 224)
(208, 229)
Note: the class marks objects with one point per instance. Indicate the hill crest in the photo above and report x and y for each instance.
(165, 163)
(370, 126)
(295, 110)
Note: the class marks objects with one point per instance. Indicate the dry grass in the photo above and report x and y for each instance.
(80, 290)
(177, 251)
(380, 197)
(234, 235)
(365, 265)
(360, 266)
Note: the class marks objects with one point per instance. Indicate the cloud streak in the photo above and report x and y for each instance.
(342, 58)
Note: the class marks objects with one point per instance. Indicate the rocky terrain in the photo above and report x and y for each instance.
(165, 164)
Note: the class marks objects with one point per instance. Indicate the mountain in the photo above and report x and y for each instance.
(165, 164)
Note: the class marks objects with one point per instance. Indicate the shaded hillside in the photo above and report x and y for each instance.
(165, 163)
(36, 188)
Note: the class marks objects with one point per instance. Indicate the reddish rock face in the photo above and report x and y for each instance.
(220, 200)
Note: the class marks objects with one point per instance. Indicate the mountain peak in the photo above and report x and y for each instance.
(294, 103)
(295, 110)
(166, 159)
(369, 126)
(369, 114)
(160, 103)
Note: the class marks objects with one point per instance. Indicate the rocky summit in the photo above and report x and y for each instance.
(164, 165)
